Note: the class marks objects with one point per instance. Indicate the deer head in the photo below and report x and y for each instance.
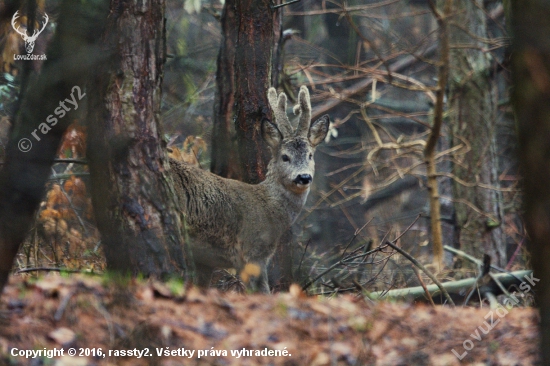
(232, 223)
(292, 149)
(29, 40)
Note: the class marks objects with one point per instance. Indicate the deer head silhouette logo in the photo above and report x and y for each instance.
(29, 40)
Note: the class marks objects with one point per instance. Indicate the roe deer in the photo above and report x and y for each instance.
(232, 223)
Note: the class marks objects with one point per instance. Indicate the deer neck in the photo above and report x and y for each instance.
(288, 202)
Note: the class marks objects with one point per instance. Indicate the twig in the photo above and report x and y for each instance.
(407, 229)
(273, 6)
(341, 261)
(484, 268)
(473, 259)
(342, 290)
(67, 176)
(362, 85)
(428, 273)
(207, 329)
(493, 303)
(63, 304)
(415, 270)
(303, 255)
(101, 309)
(371, 45)
(71, 161)
(54, 269)
(357, 231)
(66, 161)
(47, 269)
(503, 289)
(515, 254)
(97, 246)
(364, 291)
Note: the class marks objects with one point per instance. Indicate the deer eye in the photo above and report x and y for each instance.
(286, 158)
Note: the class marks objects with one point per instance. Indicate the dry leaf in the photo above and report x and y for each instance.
(62, 336)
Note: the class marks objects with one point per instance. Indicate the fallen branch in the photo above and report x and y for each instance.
(417, 292)
(54, 269)
(45, 269)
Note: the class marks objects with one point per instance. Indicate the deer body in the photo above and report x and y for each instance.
(232, 223)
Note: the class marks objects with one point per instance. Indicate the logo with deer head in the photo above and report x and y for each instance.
(29, 40)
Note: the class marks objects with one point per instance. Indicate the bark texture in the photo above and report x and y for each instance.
(133, 195)
(429, 150)
(224, 157)
(253, 56)
(472, 117)
(277, 61)
(531, 97)
(248, 63)
(22, 180)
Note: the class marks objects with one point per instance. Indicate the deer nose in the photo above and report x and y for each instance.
(303, 179)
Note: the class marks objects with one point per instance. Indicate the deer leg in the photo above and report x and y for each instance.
(262, 283)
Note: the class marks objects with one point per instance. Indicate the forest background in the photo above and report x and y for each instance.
(422, 146)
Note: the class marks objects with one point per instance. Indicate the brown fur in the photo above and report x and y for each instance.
(232, 223)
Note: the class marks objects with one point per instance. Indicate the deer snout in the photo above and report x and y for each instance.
(303, 179)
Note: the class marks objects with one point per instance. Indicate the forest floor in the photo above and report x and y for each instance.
(85, 314)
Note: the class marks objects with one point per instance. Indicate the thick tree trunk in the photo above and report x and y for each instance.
(133, 196)
(531, 96)
(253, 56)
(472, 107)
(245, 31)
(22, 180)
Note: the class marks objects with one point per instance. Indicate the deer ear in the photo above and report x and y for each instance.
(318, 130)
(271, 134)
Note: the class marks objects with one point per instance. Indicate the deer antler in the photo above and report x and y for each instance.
(37, 32)
(304, 109)
(15, 16)
(278, 105)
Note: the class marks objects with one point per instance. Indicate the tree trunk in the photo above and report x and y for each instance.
(245, 31)
(22, 180)
(277, 62)
(429, 150)
(132, 194)
(253, 57)
(472, 107)
(224, 157)
(531, 97)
